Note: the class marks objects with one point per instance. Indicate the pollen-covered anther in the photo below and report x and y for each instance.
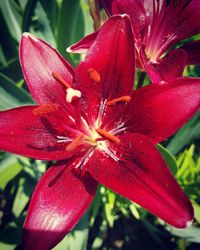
(108, 135)
(74, 144)
(72, 94)
(94, 75)
(57, 76)
(45, 109)
(125, 98)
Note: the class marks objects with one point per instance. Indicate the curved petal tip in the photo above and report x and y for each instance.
(29, 35)
(189, 223)
(186, 219)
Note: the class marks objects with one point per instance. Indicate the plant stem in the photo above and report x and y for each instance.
(141, 79)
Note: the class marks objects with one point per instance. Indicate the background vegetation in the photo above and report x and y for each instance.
(112, 222)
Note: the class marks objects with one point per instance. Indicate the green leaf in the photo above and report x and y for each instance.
(88, 21)
(6, 246)
(134, 211)
(69, 14)
(51, 9)
(28, 13)
(21, 198)
(9, 168)
(3, 60)
(95, 206)
(77, 239)
(12, 69)
(13, 17)
(154, 232)
(8, 44)
(196, 211)
(188, 168)
(41, 25)
(169, 158)
(23, 3)
(189, 132)
(191, 234)
(10, 235)
(10, 95)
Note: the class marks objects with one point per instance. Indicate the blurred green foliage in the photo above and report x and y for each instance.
(61, 23)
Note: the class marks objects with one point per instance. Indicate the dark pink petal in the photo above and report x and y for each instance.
(158, 110)
(108, 69)
(135, 9)
(25, 132)
(83, 45)
(38, 60)
(192, 50)
(167, 68)
(158, 25)
(141, 175)
(172, 22)
(58, 202)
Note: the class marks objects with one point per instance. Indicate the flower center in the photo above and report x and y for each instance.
(108, 135)
(86, 134)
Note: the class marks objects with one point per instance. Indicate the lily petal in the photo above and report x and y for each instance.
(193, 52)
(146, 182)
(167, 68)
(136, 11)
(58, 202)
(159, 110)
(83, 45)
(108, 69)
(39, 60)
(26, 132)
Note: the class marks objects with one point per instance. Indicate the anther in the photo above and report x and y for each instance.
(45, 109)
(94, 75)
(108, 135)
(73, 145)
(72, 94)
(61, 80)
(125, 98)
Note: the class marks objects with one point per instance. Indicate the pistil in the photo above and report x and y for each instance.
(108, 135)
(125, 98)
(72, 97)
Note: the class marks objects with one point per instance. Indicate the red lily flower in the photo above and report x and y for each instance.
(157, 25)
(99, 131)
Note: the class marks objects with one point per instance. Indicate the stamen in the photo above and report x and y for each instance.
(71, 146)
(71, 94)
(108, 136)
(61, 80)
(125, 98)
(111, 154)
(94, 75)
(45, 109)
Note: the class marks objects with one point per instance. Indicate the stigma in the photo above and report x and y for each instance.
(71, 94)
